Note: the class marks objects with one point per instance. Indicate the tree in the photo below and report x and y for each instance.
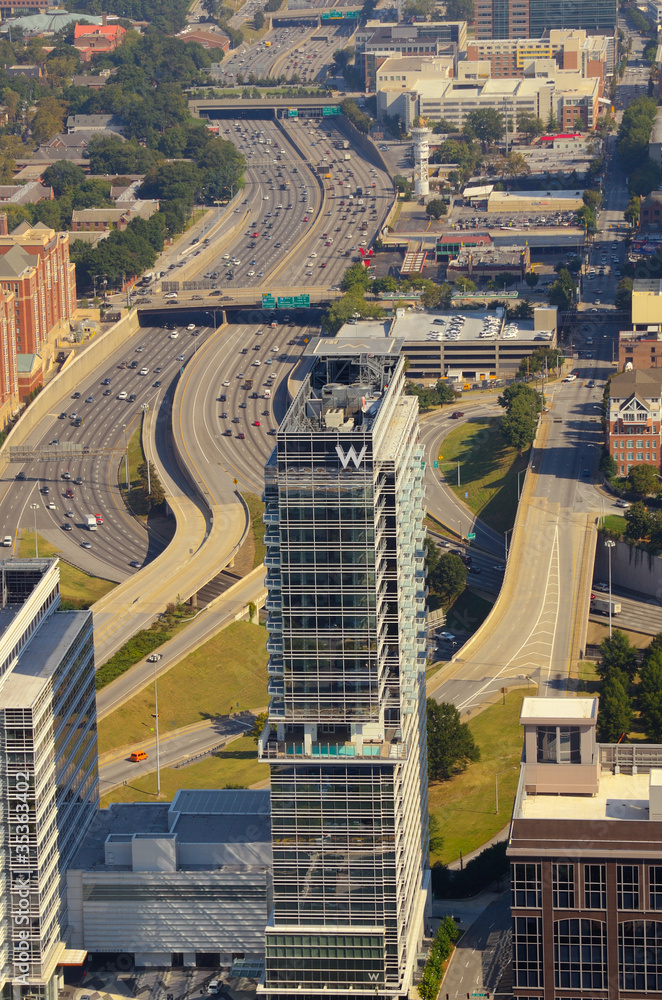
(637, 520)
(541, 360)
(460, 10)
(484, 124)
(516, 164)
(435, 296)
(436, 839)
(259, 20)
(48, 120)
(562, 291)
(465, 284)
(592, 198)
(531, 125)
(615, 715)
(518, 425)
(552, 123)
(63, 176)
(532, 279)
(352, 111)
(520, 390)
(449, 577)
(617, 655)
(451, 746)
(435, 208)
(446, 393)
(357, 277)
(633, 210)
(623, 297)
(260, 722)
(644, 479)
(649, 696)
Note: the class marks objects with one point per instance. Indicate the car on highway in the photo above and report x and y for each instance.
(69, 513)
(67, 527)
(446, 636)
(154, 657)
(106, 392)
(144, 371)
(499, 567)
(69, 493)
(171, 295)
(457, 415)
(20, 476)
(190, 327)
(90, 399)
(602, 587)
(135, 564)
(137, 755)
(121, 395)
(50, 505)
(174, 335)
(241, 435)
(86, 545)
(75, 395)
(622, 503)
(63, 416)
(99, 518)
(45, 490)
(256, 423)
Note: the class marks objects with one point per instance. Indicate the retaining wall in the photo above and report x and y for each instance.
(631, 567)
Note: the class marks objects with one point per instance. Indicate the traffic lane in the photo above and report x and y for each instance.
(636, 614)
(99, 491)
(174, 747)
(483, 953)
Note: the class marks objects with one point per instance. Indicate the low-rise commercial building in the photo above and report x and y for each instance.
(647, 304)
(488, 262)
(185, 882)
(97, 39)
(539, 203)
(633, 426)
(377, 42)
(586, 859)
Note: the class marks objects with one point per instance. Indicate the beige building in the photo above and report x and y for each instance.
(590, 55)
(534, 201)
(647, 304)
(566, 94)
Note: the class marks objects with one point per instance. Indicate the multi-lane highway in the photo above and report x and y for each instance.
(309, 207)
(301, 51)
(109, 404)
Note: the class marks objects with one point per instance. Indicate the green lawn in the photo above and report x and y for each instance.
(227, 672)
(236, 765)
(488, 471)
(136, 499)
(615, 523)
(78, 590)
(464, 806)
(256, 509)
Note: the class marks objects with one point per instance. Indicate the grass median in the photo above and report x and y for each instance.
(227, 673)
(78, 590)
(236, 765)
(488, 471)
(465, 805)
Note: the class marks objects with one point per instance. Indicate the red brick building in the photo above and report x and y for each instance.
(634, 419)
(35, 267)
(91, 39)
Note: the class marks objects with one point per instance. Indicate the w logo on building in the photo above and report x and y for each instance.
(350, 456)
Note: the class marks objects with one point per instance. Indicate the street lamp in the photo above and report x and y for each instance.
(609, 545)
(126, 463)
(496, 786)
(505, 537)
(34, 507)
(156, 728)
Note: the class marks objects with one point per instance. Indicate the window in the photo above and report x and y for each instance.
(563, 886)
(627, 884)
(655, 887)
(525, 881)
(640, 456)
(580, 954)
(558, 745)
(527, 951)
(595, 887)
(640, 955)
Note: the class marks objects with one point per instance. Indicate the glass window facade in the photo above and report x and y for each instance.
(345, 738)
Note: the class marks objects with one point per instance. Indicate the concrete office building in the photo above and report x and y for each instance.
(48, 770)
(181, 883)
(345, 738)
(378, 42)
(586, 859)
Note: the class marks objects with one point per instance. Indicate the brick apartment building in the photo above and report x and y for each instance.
(634, 419)
(585, 847)
(35, 268)
(641, 346)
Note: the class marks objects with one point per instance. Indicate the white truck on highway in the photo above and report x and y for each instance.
(347, 156)
(601, 606)
(90, 522)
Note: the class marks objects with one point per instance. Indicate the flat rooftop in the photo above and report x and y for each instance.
(620, 796)
(41, 657)
(545, 709)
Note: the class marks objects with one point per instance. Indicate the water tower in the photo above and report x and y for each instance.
(421, 138)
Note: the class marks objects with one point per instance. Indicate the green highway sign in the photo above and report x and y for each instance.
(285, 302)
(268, 302)
(436, 465)
(353, 13)
(331, 110)
(301, 301)
(292, 112)
(470, 537)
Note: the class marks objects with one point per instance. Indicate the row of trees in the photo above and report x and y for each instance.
(634, 133)
(642, 523)
(442, 946)
(619, 670)
(519, 423)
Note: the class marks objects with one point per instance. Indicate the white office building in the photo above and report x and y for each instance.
(345, 738)
(48, 770)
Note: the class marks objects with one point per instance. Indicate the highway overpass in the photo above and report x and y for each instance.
(265, 108)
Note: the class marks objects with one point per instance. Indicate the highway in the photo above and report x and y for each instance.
(285, 52)
(108, 422)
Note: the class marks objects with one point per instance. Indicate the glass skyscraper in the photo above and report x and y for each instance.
(345, 738)
(49, 785)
